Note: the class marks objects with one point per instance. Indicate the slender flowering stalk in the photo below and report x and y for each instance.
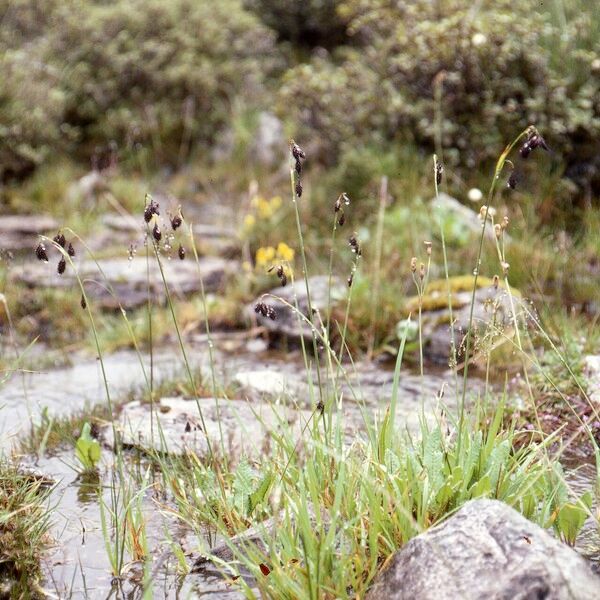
(527, 134)
(298, 154)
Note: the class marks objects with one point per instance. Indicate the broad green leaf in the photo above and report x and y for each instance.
(572, 516)
(260, 493)
(87, 449)
(482, 488)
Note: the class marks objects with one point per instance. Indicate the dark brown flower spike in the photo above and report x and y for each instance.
(265, 310)
(181, 252)
(156, 233)
(40, 252)
(299, 156)
(151, 209)
(83, 302)
(298, 189)
(176, 222)
(282, 276)
(280, 273)
(342, 220)
(70, 250)
(350, 279)
(439, 172)
(297, 152)
(62, 265)
(59, 238)
(535, 140)
(513, 180)
(354, 245)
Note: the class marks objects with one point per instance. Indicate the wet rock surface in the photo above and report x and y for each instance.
(274, 392)
(129, 279)
(180, 426)
(259, 376)
(486, 550)
(20, 232)
(288, 323)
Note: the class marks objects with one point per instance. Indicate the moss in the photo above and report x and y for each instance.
(436, 293)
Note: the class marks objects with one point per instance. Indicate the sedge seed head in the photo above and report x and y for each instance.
(41, 253)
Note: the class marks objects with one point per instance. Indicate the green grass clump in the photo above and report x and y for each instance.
(24, 521)
(342, 510)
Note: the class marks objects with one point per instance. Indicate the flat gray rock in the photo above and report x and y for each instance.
(289, 323)
(129, 278)
(20, 232)
(176, 426)
(486, 551)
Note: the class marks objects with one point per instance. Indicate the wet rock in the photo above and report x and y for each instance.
(20, 232)
(269, 382)
(362, 384)
(592, 373)
(176, 426)
(492, 316)
(486, 550)
(288, 323)
(258, 536)
(129, 278)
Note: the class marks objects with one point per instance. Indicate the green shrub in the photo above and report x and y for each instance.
(497, 67)
(145, 74)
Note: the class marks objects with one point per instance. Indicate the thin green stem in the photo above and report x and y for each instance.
(306, 283)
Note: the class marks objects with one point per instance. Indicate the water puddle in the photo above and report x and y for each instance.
(77, 563)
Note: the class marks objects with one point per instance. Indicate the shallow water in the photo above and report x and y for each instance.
(77, 563)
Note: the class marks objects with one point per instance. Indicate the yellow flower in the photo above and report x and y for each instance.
(275, 202)
(284, 252)
(265, 256)
(249, 221)
(265, 210)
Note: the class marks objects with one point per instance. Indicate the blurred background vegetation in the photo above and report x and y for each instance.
(165, 79)
(200, 97)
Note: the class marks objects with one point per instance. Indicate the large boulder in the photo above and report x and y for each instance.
(487, 551)
(493, 320)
